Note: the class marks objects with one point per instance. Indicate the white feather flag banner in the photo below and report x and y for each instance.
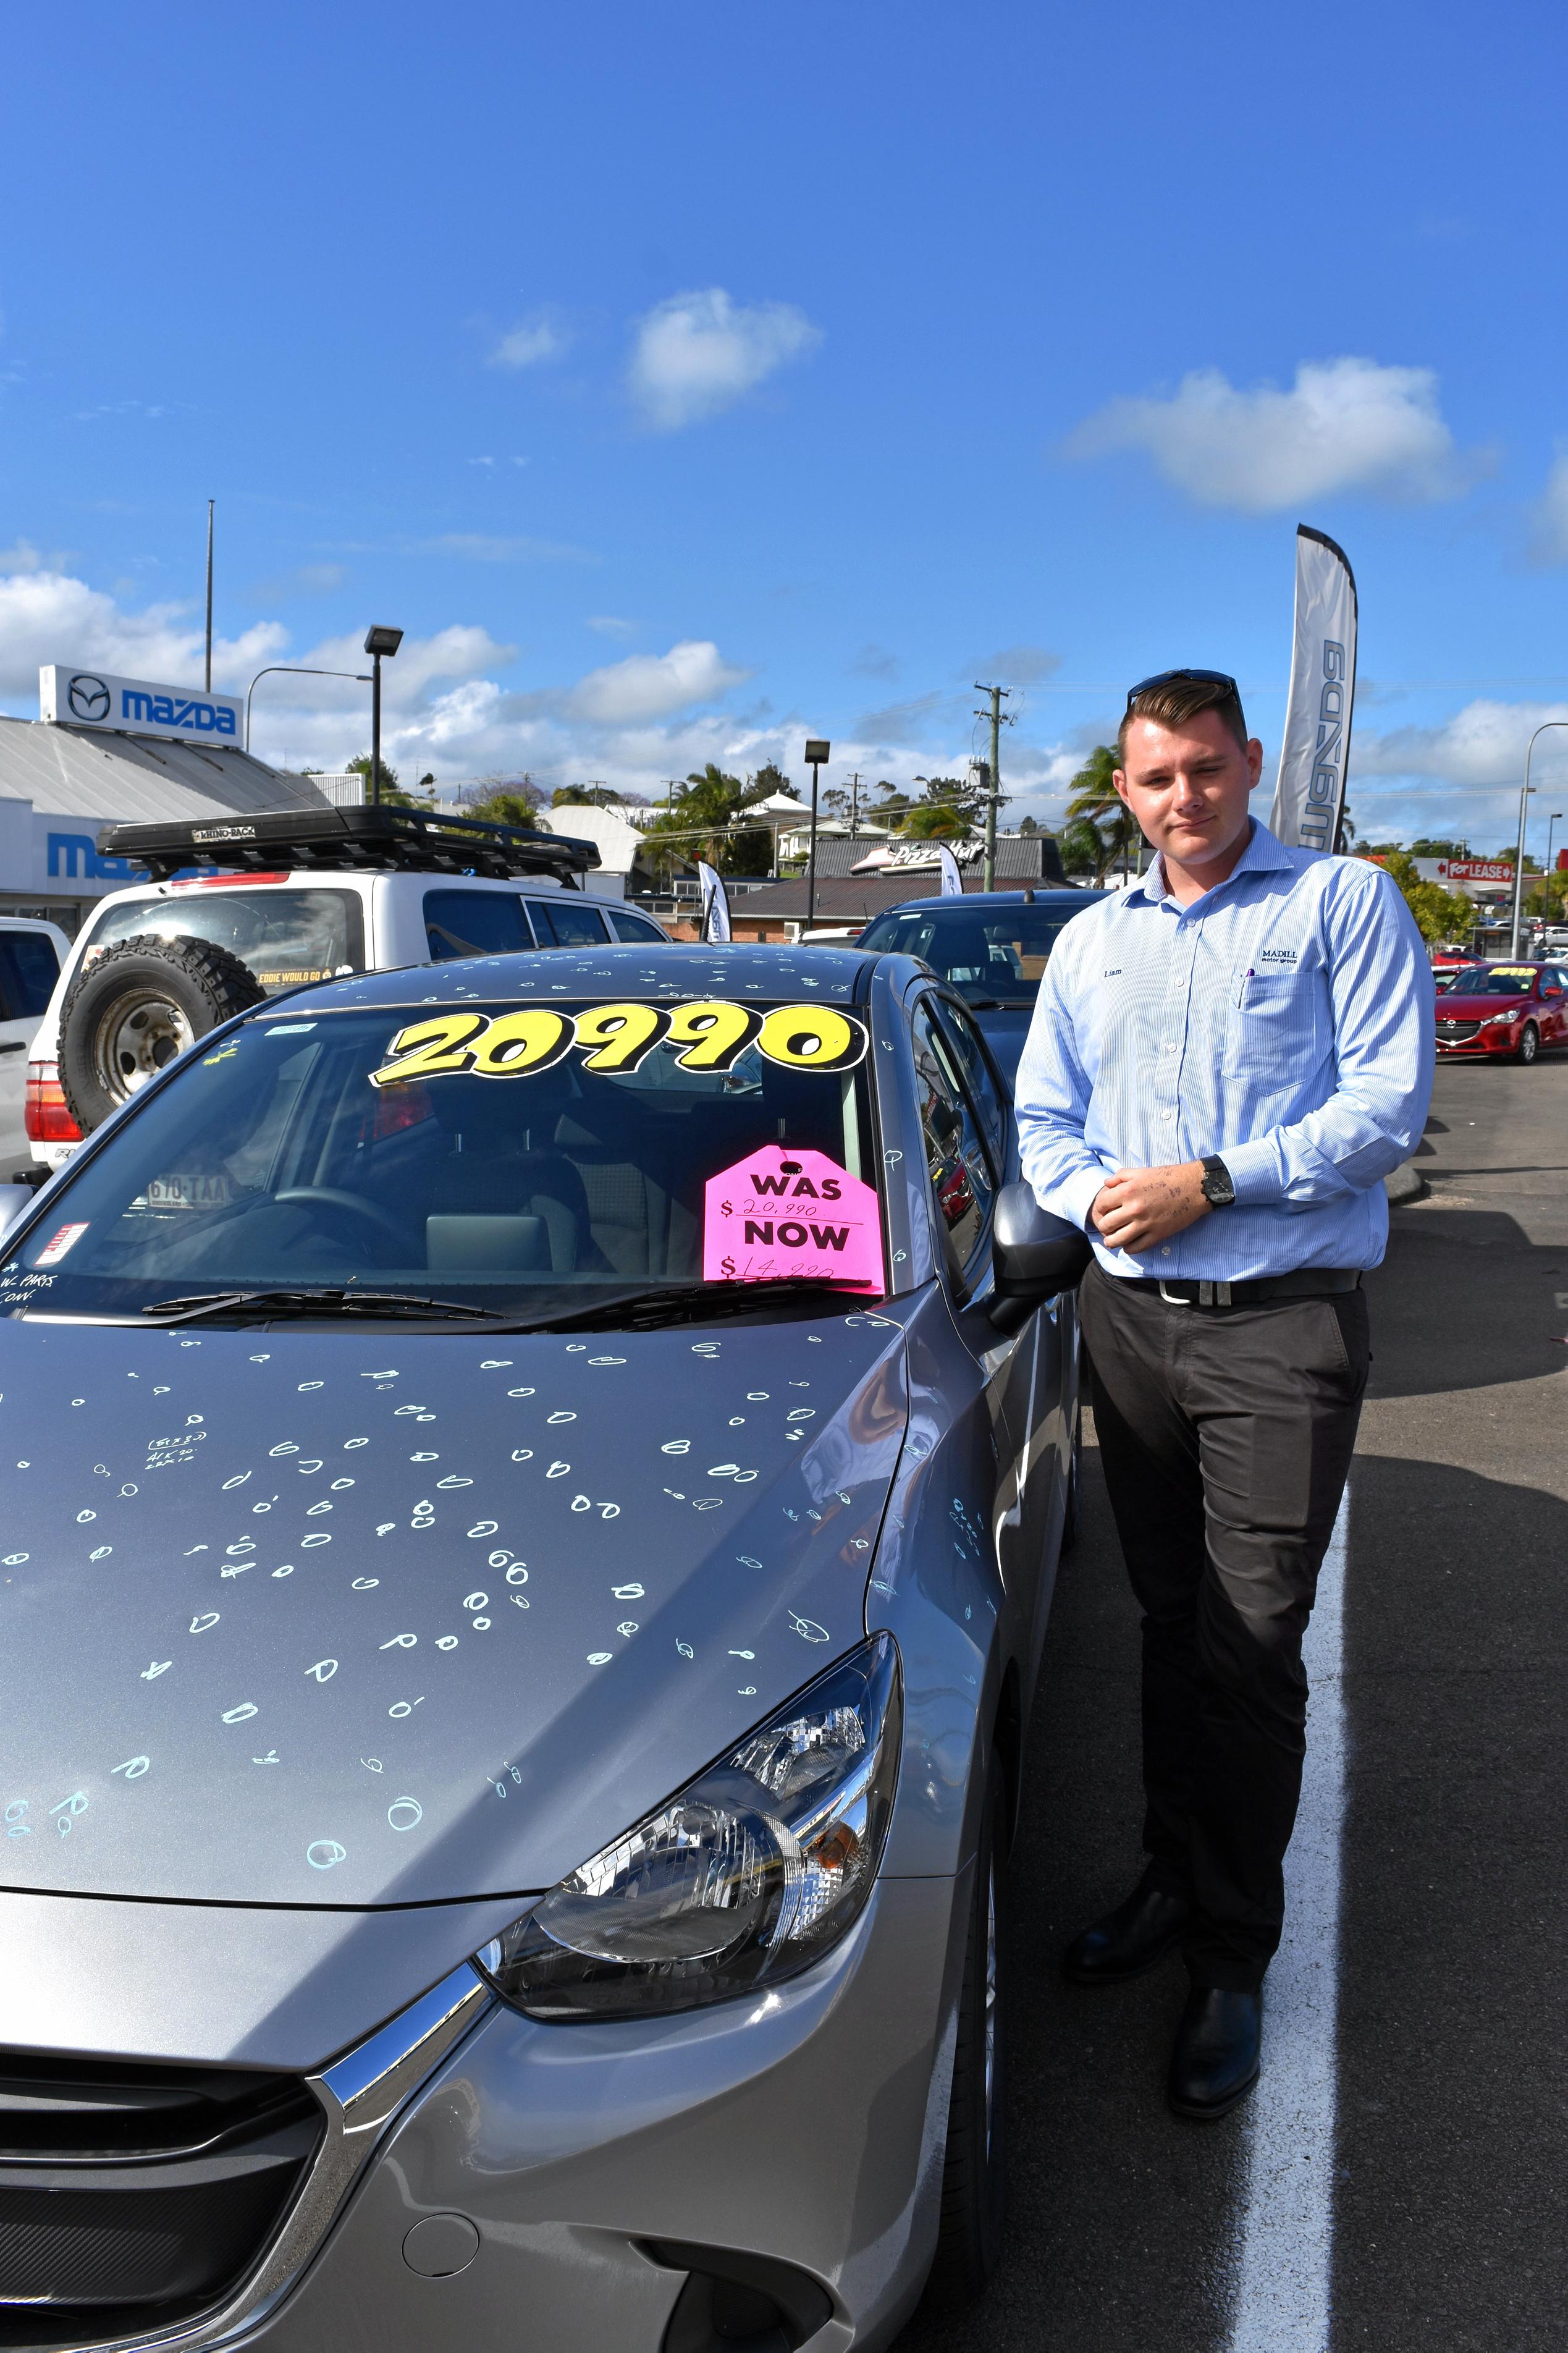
(1310, 792)
(715, 903)
(951, 880)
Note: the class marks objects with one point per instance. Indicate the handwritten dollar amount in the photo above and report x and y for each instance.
(710, 1033)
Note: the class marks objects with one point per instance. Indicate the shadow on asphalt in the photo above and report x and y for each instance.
(1118, 2212)
(1476, 1304)
(1453, 2209)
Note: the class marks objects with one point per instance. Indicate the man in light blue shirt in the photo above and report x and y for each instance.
(1225, 1061)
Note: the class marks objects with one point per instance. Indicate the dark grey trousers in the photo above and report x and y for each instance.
(1226, 1435)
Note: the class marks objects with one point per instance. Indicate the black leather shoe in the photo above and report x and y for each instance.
(1128, 1940)
(1214, 2062)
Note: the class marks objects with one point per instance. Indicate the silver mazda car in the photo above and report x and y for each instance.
(533, 1490)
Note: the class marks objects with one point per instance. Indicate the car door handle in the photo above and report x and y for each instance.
(13, 1045)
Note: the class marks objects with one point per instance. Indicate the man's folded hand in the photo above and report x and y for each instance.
(1139, 1207)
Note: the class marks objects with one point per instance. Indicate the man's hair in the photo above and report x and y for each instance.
(1176, 700)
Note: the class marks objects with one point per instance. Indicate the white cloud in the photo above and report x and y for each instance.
(1484, 744)
(458, 652)
(531, 343)
(1344, 425)
(699, 352)
(50, 617)
(652, 686)
(611, 625)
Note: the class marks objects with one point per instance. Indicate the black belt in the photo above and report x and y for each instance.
(1306, 1283)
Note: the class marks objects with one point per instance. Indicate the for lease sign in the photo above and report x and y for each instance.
(73, 696)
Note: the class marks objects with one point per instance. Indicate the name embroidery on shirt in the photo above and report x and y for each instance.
(1277, 955)
(1111, 971)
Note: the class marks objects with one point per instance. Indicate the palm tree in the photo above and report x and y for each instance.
(1096, 804)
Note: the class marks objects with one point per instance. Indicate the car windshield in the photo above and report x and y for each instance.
(992, 954)
(513, 1157)
(285, 936)
(1496, 980)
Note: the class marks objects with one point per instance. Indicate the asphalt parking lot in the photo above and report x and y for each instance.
(1411, 2194)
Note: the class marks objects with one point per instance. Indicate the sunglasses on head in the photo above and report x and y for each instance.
(1172, 677)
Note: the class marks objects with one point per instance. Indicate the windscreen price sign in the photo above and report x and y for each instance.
(77, 697)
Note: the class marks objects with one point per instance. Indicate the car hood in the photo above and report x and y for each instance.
(1475, 1008)
(358, 1617)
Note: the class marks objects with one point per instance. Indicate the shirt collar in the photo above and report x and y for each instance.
(1264, 853)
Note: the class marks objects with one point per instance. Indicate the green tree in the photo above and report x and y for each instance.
(506, 804)
(697, 823)
(1440, 914)
(773, 779)
(1094, 803)
(391, 793)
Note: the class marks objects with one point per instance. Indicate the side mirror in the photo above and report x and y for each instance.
(1035, 1255)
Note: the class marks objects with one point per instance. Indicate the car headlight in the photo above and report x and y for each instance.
(751, 1873)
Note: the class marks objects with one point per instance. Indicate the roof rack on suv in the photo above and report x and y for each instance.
(419, 841)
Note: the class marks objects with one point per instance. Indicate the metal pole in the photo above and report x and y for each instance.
(1518, 855)
(376, 730)
(209, 671)
(989, 870)
(811, 861)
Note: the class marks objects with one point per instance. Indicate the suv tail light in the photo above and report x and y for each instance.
(48, 1120)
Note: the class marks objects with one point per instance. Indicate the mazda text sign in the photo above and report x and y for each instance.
(74, 697)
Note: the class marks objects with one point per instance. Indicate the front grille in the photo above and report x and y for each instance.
(134, 2198)
(1457, 1034)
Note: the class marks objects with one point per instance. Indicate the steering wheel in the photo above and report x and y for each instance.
(329, 1196)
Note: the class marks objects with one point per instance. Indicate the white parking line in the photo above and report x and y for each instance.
(1284, 2247)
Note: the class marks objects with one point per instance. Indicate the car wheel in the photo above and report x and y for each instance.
(974, 2171)
(1529, 1043)
(133, 1008)
(1072, 1511)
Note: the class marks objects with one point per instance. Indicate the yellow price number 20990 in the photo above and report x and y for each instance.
(711, 1032)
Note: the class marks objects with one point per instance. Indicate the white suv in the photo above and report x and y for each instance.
(351, 890)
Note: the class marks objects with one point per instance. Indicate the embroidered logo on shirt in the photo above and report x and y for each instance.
(1277, 955)
(1111, 971)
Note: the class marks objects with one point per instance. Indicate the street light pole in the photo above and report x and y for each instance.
(360, 677)
(209, 671)
(1523, 804)
(816, 755)
(378, 641)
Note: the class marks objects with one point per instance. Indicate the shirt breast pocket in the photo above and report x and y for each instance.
(1274, 1027)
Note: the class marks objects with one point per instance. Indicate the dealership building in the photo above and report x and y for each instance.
(110, 751)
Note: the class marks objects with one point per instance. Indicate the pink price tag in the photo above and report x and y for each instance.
(781, 1211)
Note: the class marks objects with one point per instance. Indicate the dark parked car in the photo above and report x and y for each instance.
(990, 946)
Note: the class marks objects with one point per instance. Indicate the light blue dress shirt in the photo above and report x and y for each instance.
(1284, 1020)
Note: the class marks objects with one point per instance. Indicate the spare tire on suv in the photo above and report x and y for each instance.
(133, 1008)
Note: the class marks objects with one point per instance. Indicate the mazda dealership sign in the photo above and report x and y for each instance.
(70, 696)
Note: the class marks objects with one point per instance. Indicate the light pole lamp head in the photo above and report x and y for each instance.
(817, 752)
(382, 640)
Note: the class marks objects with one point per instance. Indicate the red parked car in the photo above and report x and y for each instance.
(1504, 1008)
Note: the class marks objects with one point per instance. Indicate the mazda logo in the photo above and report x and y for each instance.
(89, 698)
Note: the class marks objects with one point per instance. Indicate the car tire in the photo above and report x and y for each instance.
(1529, 1043)
(974, 2169)
(1072, 1510)
(136, 1006)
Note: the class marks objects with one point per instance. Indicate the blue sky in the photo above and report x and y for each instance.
(686, 379)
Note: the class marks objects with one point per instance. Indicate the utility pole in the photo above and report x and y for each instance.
(997, 716)
(208, 680)
(855, 805)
